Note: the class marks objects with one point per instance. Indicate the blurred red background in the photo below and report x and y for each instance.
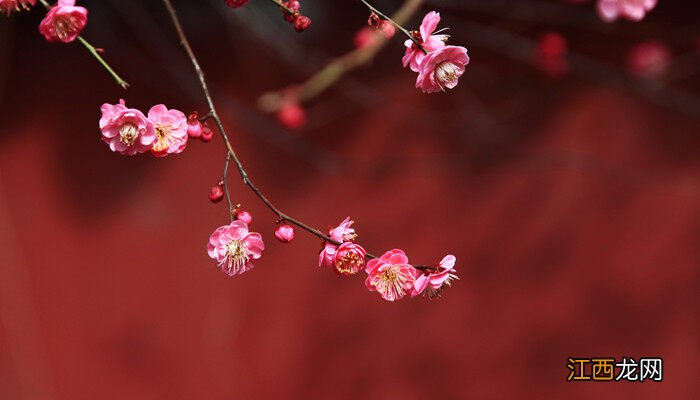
(571, 205)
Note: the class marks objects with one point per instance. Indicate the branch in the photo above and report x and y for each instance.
(335, 70)
(231, 153)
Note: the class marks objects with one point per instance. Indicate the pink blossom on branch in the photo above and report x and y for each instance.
(441, 69)
(414, 56)
(432, 283)
(340, 234)
(171, 130)
(7, 7)
(390, 275)
(126, 130)
(234, 248)
(64, 22)
(349, 258)
(634, 10)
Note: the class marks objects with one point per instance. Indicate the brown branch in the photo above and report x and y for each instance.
(335, 70)
(231, 153)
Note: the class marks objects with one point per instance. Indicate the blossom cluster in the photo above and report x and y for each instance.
(439, 66)
(161, 132)
(234, 247)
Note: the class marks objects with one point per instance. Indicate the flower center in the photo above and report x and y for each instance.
(128, 133)
(447, 74)
(163, 134)
(236, 256)
(391, 282)
(349, 264)
(66, 26)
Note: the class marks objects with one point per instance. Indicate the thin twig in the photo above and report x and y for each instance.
(121, 82)
(397, 25)
(231, 153)
(281, 5)
(336, 69)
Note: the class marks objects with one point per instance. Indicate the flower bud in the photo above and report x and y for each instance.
(194, 127)
(207, 134)
(244, 216)
(302, 23)
(216, 194)
(284, 233)
(295, 6)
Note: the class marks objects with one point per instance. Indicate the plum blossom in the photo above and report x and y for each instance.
(171, 130)
(349, 258)
(432, 283)
(441, 69)
(8, 6)
(126, 130)
(390, 275)
(234, 247)
(64, 22)
(343, 232)
(340, 234)
(427, 38)
(634, 10)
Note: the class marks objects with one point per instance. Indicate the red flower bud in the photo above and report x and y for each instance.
(207, 134)
(244, 216)
(302, 23)
(284, 233)
(216, 194)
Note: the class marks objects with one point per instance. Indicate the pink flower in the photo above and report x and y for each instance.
(340, 234)
(442, 69)
(650, 60)
(391, 275)
(343, 232)
(635, 10)
(349, 258)
(171, 130)
(436, 281)
(327, 255)
(8, 6)
(284, 233)
(414, 56)
(63, 22)
(233, 247)
(126, 130)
